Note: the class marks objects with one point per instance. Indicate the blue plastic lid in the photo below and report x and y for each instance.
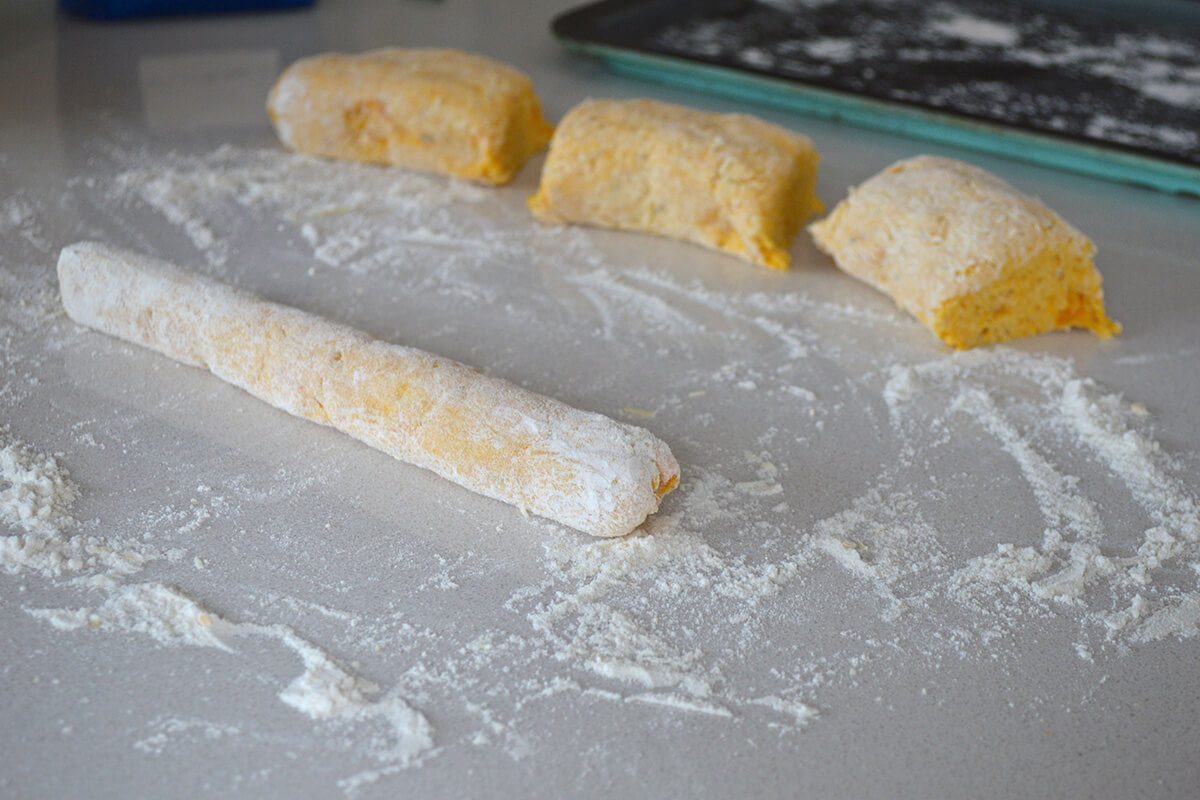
(124, 9)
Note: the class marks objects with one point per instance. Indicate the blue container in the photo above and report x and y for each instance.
(124, 9)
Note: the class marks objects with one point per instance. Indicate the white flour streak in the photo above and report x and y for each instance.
(801, 713)
(160, 612)
(173, 729)
(1062, 506)
(1046, 401)
(977, 30)
(884, 540)
(675, 702)
(325, 690)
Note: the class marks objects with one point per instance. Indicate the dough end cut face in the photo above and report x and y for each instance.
(582, 469)
(971, 257)
(731, 182)
(434, 110)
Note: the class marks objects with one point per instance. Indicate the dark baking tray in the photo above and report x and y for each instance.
(1113, 90)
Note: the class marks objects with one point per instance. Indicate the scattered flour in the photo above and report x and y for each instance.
(35, 492)
(800, 712)
(158, 611)
(675, 618)
(1133, 85)
(1180, 619)
(36, 496)
(20, 217)
(977, 30)
(353, 216)
(1075, 555)
(173, 729)
(325, 690)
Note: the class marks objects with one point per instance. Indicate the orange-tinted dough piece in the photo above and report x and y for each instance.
(971, 257)
(441, 111)
(576, 467)
(727, 181)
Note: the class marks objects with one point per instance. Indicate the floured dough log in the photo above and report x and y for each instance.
(727, 181)
(578, 468)
(971, 257)
(442, 111)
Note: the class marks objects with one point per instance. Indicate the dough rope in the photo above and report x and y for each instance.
(579, 468)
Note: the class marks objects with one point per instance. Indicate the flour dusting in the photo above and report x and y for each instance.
(160, 612)
(36, 497)
(35, 492)
(1074, 558)
(852, 517)
(325, 690)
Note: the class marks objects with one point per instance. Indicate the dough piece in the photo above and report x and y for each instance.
(434, 110)
(972, 258)
(728, 181)
(578, 468)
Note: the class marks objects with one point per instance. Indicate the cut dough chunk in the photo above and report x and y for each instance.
(575, 467)
(972, 258)
(439, 111)
(727, 181)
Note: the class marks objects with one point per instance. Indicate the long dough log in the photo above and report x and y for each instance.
(575, 467)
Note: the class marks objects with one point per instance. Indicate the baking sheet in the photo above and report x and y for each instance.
(1100, 90)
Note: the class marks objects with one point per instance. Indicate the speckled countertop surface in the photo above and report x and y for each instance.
(889, 570)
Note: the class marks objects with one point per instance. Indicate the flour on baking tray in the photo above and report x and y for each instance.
(707, 611)
(1138, 85)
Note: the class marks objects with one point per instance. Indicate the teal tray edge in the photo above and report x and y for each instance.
(879, 115)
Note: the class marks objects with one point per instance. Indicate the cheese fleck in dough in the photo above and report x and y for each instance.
(728, 181)
(441, 111)
(972, 258)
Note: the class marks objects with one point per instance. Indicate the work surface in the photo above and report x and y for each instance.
(889, 570)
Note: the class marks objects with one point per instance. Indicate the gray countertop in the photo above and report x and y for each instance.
(889, 570)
